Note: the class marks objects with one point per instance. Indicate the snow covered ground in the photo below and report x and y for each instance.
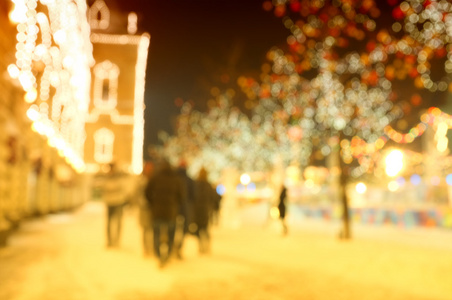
(64, 257)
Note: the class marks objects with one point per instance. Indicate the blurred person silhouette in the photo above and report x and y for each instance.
(164, 193)
(115, 196)
(204, 199)
(185, 217)
(282, 209)
(215, 212)
(145, 215)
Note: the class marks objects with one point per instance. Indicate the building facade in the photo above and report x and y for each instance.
(115, 120)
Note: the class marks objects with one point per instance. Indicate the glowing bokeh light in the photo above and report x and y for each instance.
(393, 186)
(221, 189)
(415, 179)
(361, 188)
(449, 179)
(245, 179)
(394, 162)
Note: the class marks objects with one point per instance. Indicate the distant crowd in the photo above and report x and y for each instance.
(172, 205)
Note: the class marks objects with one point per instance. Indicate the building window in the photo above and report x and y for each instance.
(105, 90)
(106, 85)
(103, 145)
(99, 15)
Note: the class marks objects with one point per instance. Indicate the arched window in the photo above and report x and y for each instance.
(103, 145)
(106, 85)
(99, 15)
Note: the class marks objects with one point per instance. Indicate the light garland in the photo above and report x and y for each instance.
(105, 89)
(99, 15)
(53, 60)
(434, 117)
(138, 112)
(430, 25)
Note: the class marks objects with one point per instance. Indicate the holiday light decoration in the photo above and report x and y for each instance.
(105, 85)
(350, 93)
(429, 25)
(53, 58)
(99, 15)
(132, 25)
(394, 162)
(320, 30)
(321, 108)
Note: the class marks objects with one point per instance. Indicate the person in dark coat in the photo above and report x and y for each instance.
(145, 216)
(164, 193)
(203, 205)
(282, 209)
(186, 212)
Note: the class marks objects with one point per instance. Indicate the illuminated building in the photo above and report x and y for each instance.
(115, 120)
(45, 62)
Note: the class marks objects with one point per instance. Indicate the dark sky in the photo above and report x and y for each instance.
(194, 43)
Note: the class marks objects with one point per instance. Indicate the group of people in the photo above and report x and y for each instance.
(172, 205)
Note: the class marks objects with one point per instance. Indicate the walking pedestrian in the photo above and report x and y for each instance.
(145, 215)
(282, 209)
(164, 193)
(115, 196)
(185, 217)
(203, 205)
(215, 213)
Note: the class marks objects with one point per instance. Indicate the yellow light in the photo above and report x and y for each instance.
(13, 71)
(394, 163)
(309, 183)
(51, 142)
(32, 114)
(361, 188)
(245, 179)
(26, 81)
(60, 37)
(31, 95)
(440, 136)
(442, 144)
(44, 44)
(393, 186)
(38, 127)
(19, 13)
(379, 143)
(60, 144)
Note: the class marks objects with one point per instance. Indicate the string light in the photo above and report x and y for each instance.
(99, 15)
(429, 24)
(53, 50)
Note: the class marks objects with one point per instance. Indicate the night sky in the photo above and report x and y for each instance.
(197, 45)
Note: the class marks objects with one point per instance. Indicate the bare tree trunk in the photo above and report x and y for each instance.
(345, 232)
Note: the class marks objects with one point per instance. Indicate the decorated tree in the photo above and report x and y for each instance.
(348, 63)
(328, 92)
(223, 137)
(351, 70)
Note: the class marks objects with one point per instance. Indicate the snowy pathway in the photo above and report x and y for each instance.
(64, 257)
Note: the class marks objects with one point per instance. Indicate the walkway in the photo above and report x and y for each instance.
(64, 257)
